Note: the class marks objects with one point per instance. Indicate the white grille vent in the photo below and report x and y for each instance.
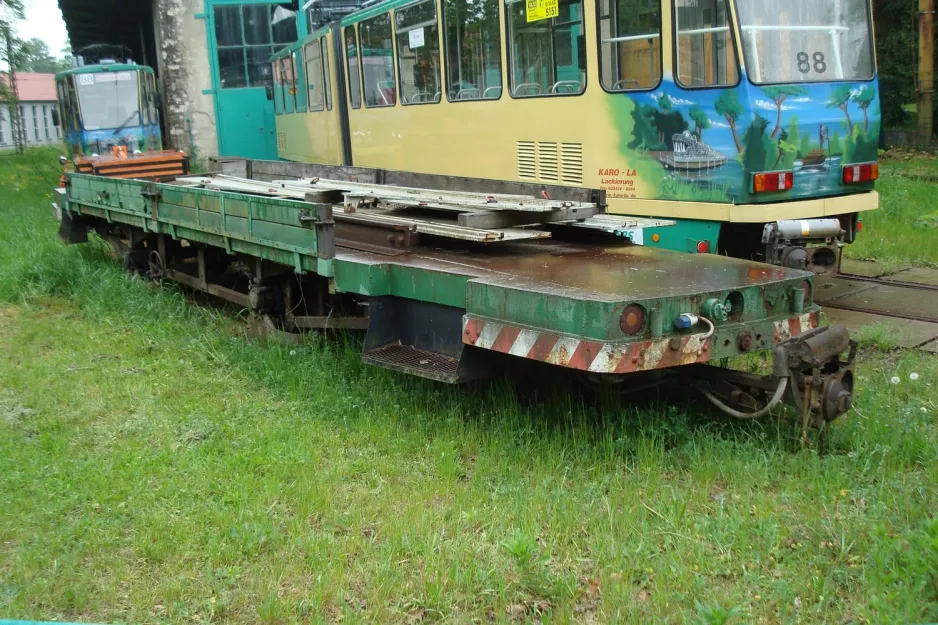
(527, 161)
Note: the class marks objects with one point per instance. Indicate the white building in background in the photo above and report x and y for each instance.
(36, 101)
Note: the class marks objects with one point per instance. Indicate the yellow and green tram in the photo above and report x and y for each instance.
(752, 123)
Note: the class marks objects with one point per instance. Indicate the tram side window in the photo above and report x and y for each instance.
(706, 53)
(314, 81)
(547, 54)
(299, 77)
(630, 44)
(73, 98)
(326, 78)
(418, 50)
(150, 99)
(377, 61)
(354, 81)
(472, 37)
(66, 108)
(278, 87)
(288, 78)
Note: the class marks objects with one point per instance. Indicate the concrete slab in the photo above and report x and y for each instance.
(931, 348)
(865, 268)
(895, 300)
(919, 275)
(828, 288)
(909, 333)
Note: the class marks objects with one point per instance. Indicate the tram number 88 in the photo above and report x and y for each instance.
(804, 62)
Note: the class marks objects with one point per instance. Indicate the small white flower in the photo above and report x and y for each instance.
(293, 352)
(924, 410)
(895, 379)
(913, 376)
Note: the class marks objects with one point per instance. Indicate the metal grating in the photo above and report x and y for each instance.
(571, 163)
(414, 360)
(527, 168)
(547, 162)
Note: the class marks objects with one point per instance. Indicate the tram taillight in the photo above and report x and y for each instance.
(864, 172)
(773, 181)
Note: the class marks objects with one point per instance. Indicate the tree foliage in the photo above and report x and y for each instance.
(896, 42)
(34, 55)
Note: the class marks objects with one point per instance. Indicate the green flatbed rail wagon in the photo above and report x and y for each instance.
(440, 292)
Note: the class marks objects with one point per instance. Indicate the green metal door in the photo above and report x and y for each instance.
(242, 34)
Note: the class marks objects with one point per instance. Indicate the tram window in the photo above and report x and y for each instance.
(288, 78)
(314, 81)
(472, 36)
(806, 41)
(299, 68)
(154, 103)
(706, 51)
(418, 53)
(630, 44)
(547, 56)
(326, 78)
(377, 61)
(354, 81)
(279, 106)
(73, 99)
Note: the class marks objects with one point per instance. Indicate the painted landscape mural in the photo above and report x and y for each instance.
(706, 144)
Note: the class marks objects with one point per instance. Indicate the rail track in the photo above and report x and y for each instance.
(884, 296)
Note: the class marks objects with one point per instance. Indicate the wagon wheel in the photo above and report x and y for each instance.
(157, 267)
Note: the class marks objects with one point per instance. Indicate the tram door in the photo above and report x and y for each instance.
(243, 34)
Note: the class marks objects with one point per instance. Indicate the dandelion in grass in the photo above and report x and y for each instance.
(293, 352)
(895, 379)
(913, 376)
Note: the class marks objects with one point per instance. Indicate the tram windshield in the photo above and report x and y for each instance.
(799, 41)
(109, 100)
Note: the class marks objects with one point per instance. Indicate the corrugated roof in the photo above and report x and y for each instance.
(34, 87)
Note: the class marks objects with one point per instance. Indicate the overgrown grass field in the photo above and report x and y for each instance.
(157, 466)
(904, 232)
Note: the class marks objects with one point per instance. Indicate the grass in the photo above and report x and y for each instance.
(156, 466)
(904, 231)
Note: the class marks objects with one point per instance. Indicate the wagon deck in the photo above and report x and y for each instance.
(435, 304)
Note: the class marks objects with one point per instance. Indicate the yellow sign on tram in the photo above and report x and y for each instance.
(542, 9)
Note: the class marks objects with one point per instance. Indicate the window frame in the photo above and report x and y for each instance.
(301, 102)
(874, 64)
(675, 45)
(500, 29)
(508, 56)
(273, 47)
(306, 62)
(397, 95)
(348, 69)
(397, 52)
(599, 51)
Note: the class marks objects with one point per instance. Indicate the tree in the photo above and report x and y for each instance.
(728, 106)
(840, 99)
(779, 95)
(701, 121)
(34, 56)
(665, 102)
(864, 98)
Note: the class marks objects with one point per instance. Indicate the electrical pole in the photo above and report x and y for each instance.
(926, 68)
